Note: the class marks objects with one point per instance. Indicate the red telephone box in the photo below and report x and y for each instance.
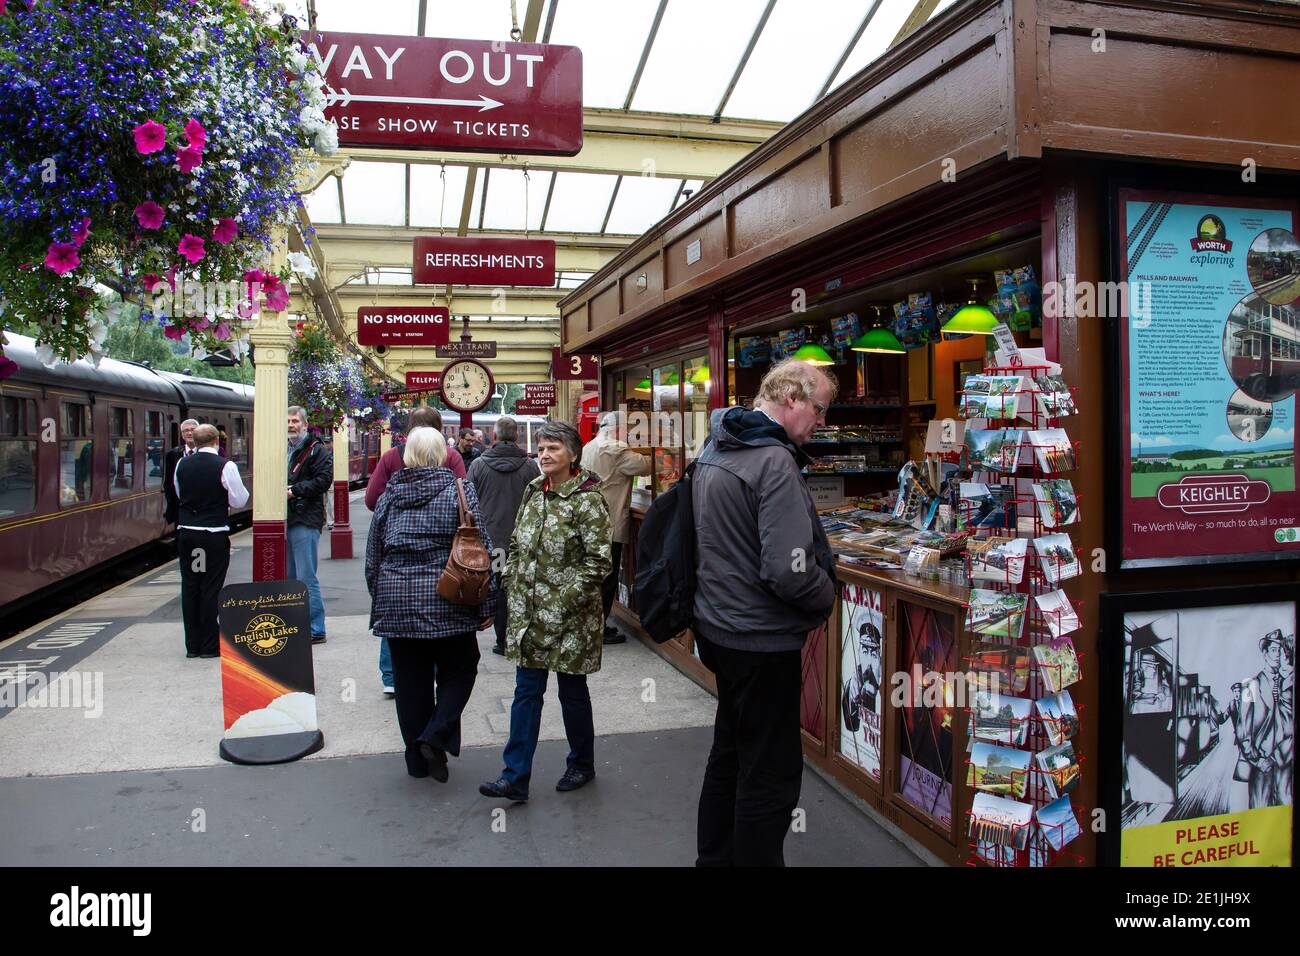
(589, 415)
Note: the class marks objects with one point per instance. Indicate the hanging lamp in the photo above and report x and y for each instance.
(879, 338)
(972, 318)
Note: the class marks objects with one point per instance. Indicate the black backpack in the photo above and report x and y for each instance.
(665, 562)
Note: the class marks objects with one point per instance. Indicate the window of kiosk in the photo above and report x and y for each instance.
(697, 383)
(636, 398)
(666, 388)
(18, 427)
(76, 453)
(121, 451)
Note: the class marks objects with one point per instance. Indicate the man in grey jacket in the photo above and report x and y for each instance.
(500, 476)
(765, 578)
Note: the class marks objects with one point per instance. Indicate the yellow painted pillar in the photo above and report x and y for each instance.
(341, 534)
(272, 338)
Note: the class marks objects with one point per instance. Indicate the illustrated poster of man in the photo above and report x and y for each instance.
(861, 624)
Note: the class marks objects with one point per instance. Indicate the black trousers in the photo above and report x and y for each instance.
(755, 769)
(209, 551)
(609, 587)
(499, 623)
(432, 678)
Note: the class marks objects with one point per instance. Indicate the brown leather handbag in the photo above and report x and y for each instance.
(467, 579)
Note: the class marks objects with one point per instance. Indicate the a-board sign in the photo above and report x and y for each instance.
(468, 260)
(403, 326)
(268, 688)
(484, 96)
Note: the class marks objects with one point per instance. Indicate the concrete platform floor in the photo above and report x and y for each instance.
(136, 780)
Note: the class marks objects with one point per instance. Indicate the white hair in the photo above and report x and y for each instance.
(425, 448)
(189, 421)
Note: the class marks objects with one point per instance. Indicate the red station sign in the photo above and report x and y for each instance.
(580, 368)
(423, 381)
(484, 96)
(531, 408)
(539, 393)
(461, 260)
(403, 326)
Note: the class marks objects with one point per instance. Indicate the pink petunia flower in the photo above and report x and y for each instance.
(277, 296)
(7, 366)
(174, 332)
(150, 137)
(226, 232)
(61, 258)
(196, 134)
(202, 322)
(222, 331)
(255, 275)
(83, 233)
(150, 215)
(191, 247)
(189, 158)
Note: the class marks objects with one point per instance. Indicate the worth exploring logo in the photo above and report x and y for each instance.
(266, 635)
(1211, 236)
(1213, 494)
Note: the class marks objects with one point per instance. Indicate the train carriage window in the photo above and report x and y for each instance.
(121, 451)
(76, 454)
(18, 427)
(239, 440)
(155, 450)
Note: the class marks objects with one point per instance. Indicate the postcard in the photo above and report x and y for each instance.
(999, 718)
(994, 449)
(1006, 664)
(1060, 719)
(1057, 822)
(1058, 612)
(999, 820)
(996, 613)
(1057, 504)
(1000, 770)
(1060, 768)
(1055, 400)
(997, 558)
(986, 506)
(1053, 450)
(1057, 558)
(1058, 663)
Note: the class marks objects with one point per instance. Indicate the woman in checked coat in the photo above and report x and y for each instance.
(559, 557)
(433, 642)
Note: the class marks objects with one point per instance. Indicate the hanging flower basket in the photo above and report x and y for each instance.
(153, 145)
(323, 379)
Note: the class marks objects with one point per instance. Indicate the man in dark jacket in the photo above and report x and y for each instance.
(765, 578)
(311, 472)
(184, 450)
(500, 476)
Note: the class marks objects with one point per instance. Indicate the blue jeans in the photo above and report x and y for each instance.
(300, 565)
(385, 663)
(526, 724)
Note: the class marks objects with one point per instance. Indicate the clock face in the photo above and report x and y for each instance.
(466, 386)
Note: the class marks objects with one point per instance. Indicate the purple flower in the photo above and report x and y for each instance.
(150, 215)
(226, 232)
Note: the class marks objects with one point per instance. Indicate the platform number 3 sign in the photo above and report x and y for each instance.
(574, 367)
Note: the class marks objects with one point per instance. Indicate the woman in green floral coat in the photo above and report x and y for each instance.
(559, 555)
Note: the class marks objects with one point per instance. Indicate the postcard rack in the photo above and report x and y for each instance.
(1020, 551)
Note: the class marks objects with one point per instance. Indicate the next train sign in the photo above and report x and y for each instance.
(465, 95)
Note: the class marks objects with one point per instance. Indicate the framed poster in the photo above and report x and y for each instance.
(927, 651)
(861, 672)
(1207, 354)
(1198, 727)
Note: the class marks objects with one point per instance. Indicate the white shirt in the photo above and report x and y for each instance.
(236, 493)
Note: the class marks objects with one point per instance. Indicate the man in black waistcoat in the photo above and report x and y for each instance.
(207, 487)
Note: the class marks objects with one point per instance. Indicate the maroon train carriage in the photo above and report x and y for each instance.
(81, 462)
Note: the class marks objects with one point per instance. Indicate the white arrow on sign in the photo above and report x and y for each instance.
(343, 98)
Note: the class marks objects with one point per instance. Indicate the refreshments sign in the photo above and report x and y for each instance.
(379, 326)
(466, 95)
(461, 260)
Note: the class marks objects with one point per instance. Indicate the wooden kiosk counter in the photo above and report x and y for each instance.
(1115, 184)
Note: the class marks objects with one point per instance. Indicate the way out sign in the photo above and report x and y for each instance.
(404, 326)
(466, 95)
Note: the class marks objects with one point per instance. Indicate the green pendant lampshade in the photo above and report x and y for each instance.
(878, 339)
(814, 354)
(700, 376)
(972, 318)
(643, 385)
